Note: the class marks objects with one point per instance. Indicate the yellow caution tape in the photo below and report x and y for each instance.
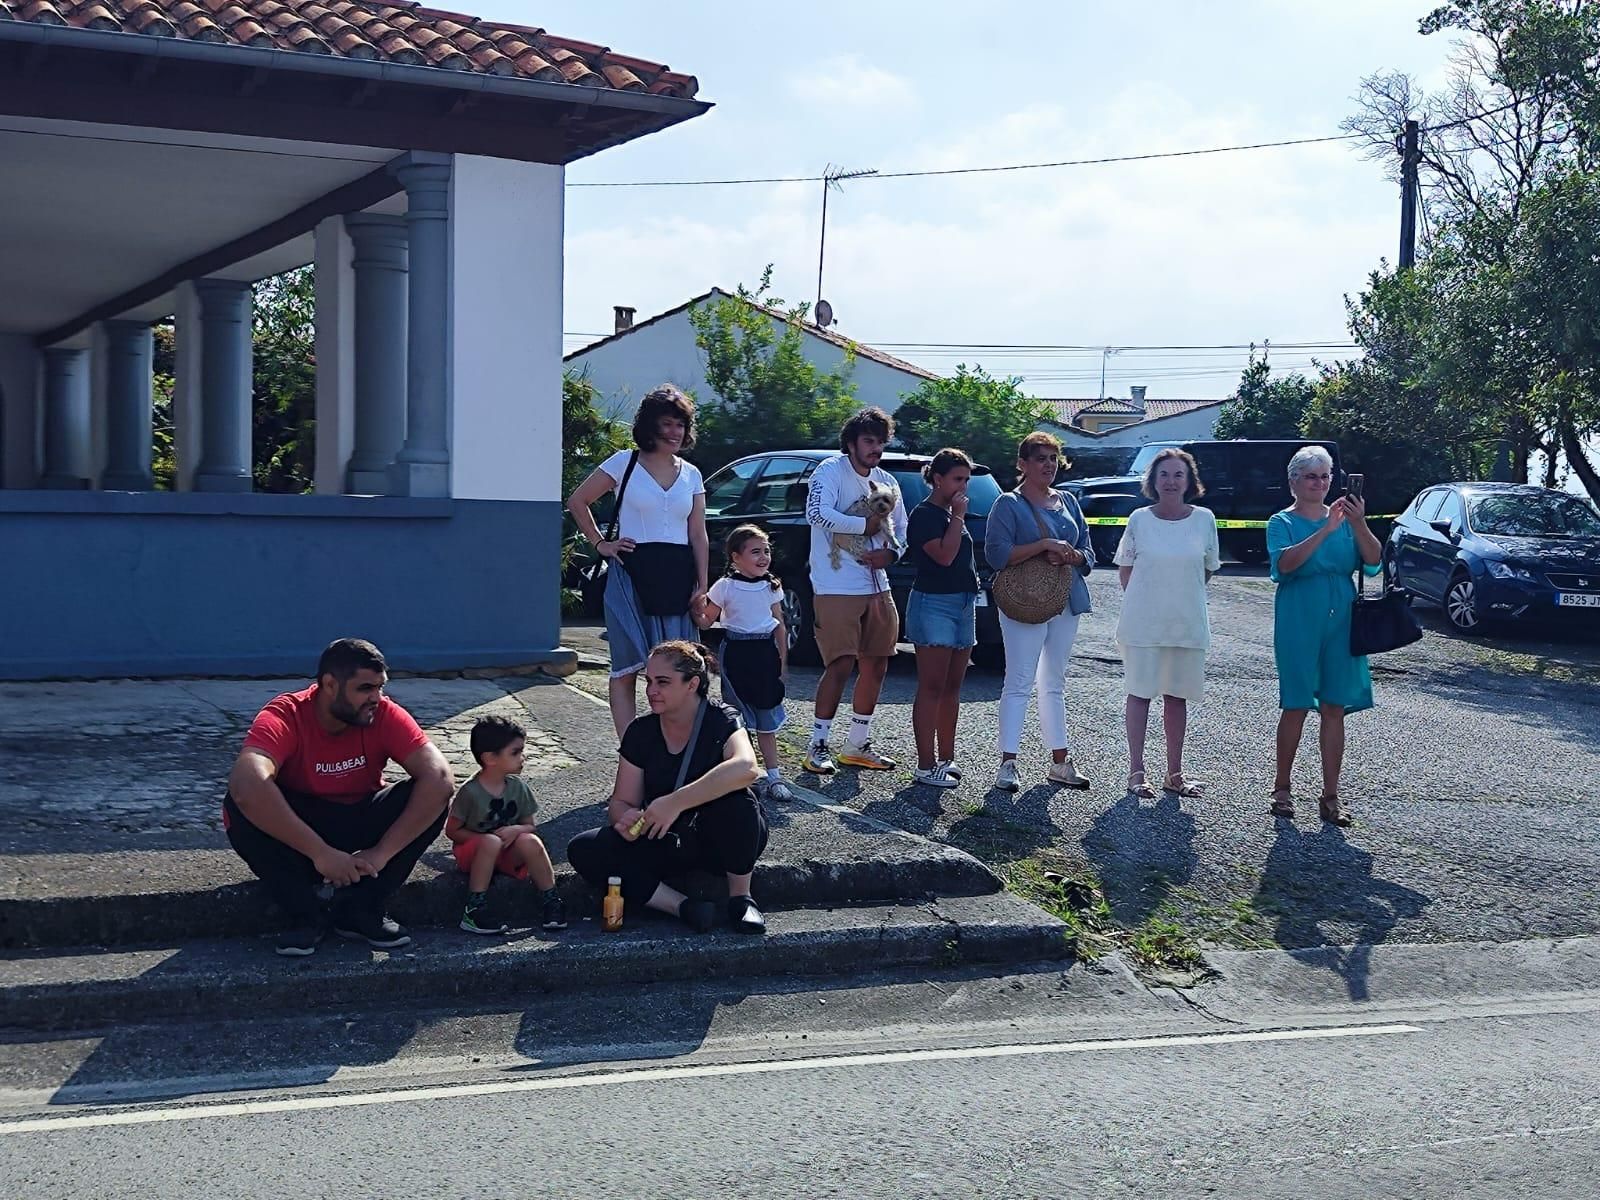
(1225, 524)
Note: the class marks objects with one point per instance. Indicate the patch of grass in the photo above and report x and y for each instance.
(1162, 942)
(1072, 896)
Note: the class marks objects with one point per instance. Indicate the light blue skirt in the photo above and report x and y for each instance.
(631, 632)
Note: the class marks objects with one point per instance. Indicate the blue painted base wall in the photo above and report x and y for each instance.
(96, 585)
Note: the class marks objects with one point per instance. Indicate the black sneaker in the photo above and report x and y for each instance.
(378, 931)
(555, 913)
(744, 916)
(481, 920)
(301, 941)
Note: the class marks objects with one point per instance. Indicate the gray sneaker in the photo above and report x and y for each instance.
(1066, 774)
(1006, 777)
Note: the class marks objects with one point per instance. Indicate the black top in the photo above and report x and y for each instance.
(645, 748)
(928, 523)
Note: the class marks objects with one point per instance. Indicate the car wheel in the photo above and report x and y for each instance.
(798, 619)
(1461, 605)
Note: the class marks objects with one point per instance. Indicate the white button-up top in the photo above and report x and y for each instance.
(651, 513)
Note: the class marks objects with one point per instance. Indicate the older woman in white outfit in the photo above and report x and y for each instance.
(1166, 558)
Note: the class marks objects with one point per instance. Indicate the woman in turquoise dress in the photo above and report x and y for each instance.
(1316, 549)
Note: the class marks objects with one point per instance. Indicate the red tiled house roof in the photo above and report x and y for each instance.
(1068, 411)
(404, 33)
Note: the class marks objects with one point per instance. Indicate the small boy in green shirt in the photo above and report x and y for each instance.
(491, 828)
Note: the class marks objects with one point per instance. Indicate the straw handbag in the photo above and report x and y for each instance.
(1034, 590)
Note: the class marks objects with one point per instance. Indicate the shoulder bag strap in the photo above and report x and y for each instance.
(1044, 531)
(694, 739)
(616, 509)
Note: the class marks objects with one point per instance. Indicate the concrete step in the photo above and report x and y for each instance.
(817, 854)
(83, 989)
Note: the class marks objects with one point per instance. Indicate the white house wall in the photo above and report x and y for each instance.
(663, 351)
(1199, 425)
(505, 348)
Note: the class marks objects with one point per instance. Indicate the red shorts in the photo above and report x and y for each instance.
(507, 864)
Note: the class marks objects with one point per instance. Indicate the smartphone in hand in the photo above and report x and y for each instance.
(1355, 486)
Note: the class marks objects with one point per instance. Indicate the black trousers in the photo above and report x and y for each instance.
(726, 835)
(290, 877)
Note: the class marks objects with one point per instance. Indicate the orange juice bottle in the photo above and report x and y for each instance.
(611, 906)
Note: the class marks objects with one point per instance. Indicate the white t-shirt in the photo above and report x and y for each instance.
(1165, 602)
(746, 604)
(835, 486)
(649, 512)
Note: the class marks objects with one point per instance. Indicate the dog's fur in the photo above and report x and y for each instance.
(879, 500)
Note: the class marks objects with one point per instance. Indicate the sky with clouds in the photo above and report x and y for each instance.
(1213, 250)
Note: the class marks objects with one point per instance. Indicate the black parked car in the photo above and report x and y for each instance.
(769, 489)
(1246, 482)
(1499, 551)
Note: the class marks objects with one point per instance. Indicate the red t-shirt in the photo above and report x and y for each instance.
(344, 768)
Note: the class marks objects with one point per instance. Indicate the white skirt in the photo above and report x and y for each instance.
(1151, 671)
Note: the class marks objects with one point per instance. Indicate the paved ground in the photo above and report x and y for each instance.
(1042, 1083)
(1474, 781)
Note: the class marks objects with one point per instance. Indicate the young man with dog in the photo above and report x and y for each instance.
(856, 623)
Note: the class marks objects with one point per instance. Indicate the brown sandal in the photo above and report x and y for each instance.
(1181, 785)
(1282, 803)
(1333, 811)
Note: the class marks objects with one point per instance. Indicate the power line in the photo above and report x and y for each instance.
(1037, 166)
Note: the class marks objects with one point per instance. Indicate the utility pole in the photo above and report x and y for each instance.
(832, 177)
(1410, 155)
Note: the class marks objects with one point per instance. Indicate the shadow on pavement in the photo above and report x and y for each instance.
(1320, 890)
(1142, 853)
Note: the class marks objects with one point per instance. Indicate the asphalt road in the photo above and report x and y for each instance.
(1473, 781)
(1486, 1103)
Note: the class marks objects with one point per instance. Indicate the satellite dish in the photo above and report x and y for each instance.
(824, 314)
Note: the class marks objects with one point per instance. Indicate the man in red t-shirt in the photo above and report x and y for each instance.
(307, 810)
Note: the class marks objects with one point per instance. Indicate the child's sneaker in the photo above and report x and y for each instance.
(866, 758)
(818, 761)
(555, 913)
(480, 920)
(935, 776)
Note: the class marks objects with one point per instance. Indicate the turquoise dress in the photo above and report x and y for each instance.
(1311, 625)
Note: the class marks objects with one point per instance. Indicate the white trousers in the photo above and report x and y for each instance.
(1036, 659)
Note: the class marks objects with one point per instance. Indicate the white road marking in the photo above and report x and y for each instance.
(253, 1108)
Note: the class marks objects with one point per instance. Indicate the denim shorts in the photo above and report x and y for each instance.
(935, 619)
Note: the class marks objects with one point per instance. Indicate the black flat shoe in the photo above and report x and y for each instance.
(698, 915)
(744, 916)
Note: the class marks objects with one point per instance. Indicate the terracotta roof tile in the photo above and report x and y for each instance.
(402, 31)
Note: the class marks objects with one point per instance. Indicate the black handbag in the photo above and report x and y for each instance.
(592, 579)
(1382, 622)
(664, 577)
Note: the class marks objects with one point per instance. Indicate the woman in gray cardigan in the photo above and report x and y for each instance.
(1037, 655)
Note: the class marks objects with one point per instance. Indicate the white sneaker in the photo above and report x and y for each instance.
(934, 776)
(1067, 774)
(1006, 777)
(818, 761)
(951, 769)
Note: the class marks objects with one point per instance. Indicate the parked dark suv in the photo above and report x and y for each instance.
(1493, 552)
(769, 489)
(1246, 482)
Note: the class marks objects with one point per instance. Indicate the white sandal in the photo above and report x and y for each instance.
(1140, 790)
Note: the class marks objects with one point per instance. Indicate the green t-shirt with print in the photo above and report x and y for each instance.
(480, 812)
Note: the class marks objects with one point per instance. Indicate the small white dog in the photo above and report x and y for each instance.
(879, 500)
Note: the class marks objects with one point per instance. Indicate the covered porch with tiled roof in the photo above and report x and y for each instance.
(163, 156)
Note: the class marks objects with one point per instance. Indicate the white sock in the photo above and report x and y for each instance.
(820, 730)
(772, 773)
(860, 729)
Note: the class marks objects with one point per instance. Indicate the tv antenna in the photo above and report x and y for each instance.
(832, 178)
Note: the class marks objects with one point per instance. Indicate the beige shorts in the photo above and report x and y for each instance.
(855, 626)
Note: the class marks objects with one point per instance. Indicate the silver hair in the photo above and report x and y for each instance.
(1309, 456)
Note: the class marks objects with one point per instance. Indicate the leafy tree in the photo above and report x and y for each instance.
(1264, 407)
(767, 394)
(588, 436)
(284, 401)
(164, 455)
(975, 412)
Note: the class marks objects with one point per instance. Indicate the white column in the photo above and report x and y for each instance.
(20, 382)
(335, 350)
(186, 386)
(422, 468)
(506, 269)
